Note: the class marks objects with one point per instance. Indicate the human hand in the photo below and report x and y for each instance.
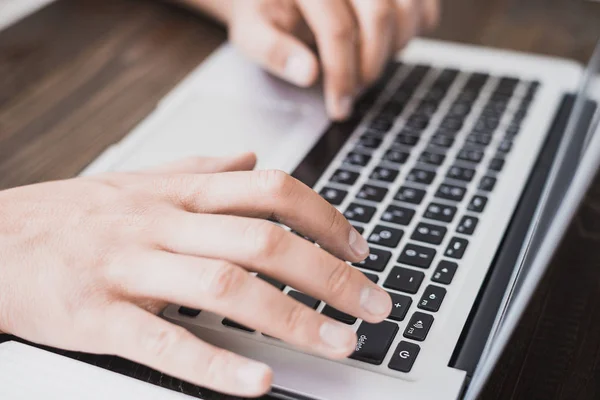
(355, 39)
(87, 262)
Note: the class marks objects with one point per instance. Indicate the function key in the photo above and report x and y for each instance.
(444, 273)
(451, 192)
(398, 215)
(358, 159)
(189, 312)
(421, 176)
(372, 193)
(417, 256)
(461, 173)
(470, 155)
(338, 315)
(456, 248)
(497, 164)
(477, 203)
(432, 158)
(376, 260)
(369, 142)
(440, 212)
(359, 212)
(400, 306)
(385, 236)
(384, 174)
(344, 177)
(432, 298)
(410, 195)
(333, 196)
(487, 183)
(374, 341)
(467, 225)
(418, 326)
(305, 299)
(233, 324)
(404, 356)
(429, 233)
(396, 156)
(273, 282)
(404, 280)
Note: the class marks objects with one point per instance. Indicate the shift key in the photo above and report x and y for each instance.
(374, 341)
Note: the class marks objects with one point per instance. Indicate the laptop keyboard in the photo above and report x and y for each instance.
(414, 179)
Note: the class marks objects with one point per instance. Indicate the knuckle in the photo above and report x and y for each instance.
(341, 29)
(216, 365)
(162, 342)
(335, 219)
(228, 279)
(295, 319)
(338, 279)
(274, 182)
(266, 238)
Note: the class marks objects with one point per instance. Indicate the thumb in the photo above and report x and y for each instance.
(207, 165)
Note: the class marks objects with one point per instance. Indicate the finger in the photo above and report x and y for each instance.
(279, 52)
(266, 248)
(430, 14)
(336, 35)
(268, 194)
(207, 165)
(407, 22)
(145, 338)
(227, 289)
(376, 20)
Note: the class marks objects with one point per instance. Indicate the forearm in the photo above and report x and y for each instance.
(218, 9)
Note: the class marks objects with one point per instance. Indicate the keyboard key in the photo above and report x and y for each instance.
(404, 280)
(481, 139)
(417, 256)
(418, 326)
(451, 192)
(404, 356)
(406, 140)
(376, 261)
(396, 156)
(305, 299)
(477, 203)
(372, 193)
(497, 164)
(374, 341)
(444, 273)
(470, 154)
(467, 225)
(461, 173)
(487, 183)
(385, 236)
(432, 158)
(410, 195)
(429, 233)
(358, 159)
(421, 176)
(369, 142)
(384, 174)
(372, 277)
(359, 229)
(338, 315)
(333, 196)
(189, 312)
(278, 285)
(398, 215)
(359, 212)
(442, 141)
(440, 212)
(344, 177)
(432, 298)
(233, 324)
(400, 306)
(456, 248)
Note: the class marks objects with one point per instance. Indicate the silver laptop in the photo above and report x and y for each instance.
(462, 167)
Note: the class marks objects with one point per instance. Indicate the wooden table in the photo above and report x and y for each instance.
(80, 74)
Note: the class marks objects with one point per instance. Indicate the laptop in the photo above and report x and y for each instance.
(462, 166)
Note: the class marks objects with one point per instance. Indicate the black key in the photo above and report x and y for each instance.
(396, 156)
(442, 141)
(404, 280)
(460, 109)
(404, 356)
(444, 273)
(432, 158)
(359, 229)
(432, 298)
(452, 123)
(477, 203)
(451, 192)
(406, 140)
(470, 154)
(384, 174)
(421, 176)
(369, 142)
(233, 324)
(400, 306)
(376, 261)
(512, 130)
(481, 139)
(381, 124)
(338, 315)
(359, 212)
(278, 285)
(461, 173)
(398, 215)
(440, 212)
(418, 122)
(456, 248)
(359, 159)
(372, 193)
(374, 341)
(417, 256)
(418, 326)
(189, 312)
(410, 195)
(429, 233)
(305, 299)
(467, 225)
(505, 146)
(344, 177)
(487, 183)
(385, 236)
(372, 277)
(333, 196)
(497, 164)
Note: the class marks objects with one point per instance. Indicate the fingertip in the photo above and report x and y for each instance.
(255, 377)
(301, 68)
(339, 107)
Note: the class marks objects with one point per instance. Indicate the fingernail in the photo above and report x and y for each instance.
(358, 244)
(298, 69)
(252, 375)
(344, 107)
(375, 302)
(337, 336)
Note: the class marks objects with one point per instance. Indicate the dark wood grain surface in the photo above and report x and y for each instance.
(78, 75)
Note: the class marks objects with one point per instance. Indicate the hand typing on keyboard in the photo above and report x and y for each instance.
(88, 262)
(354, 38)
